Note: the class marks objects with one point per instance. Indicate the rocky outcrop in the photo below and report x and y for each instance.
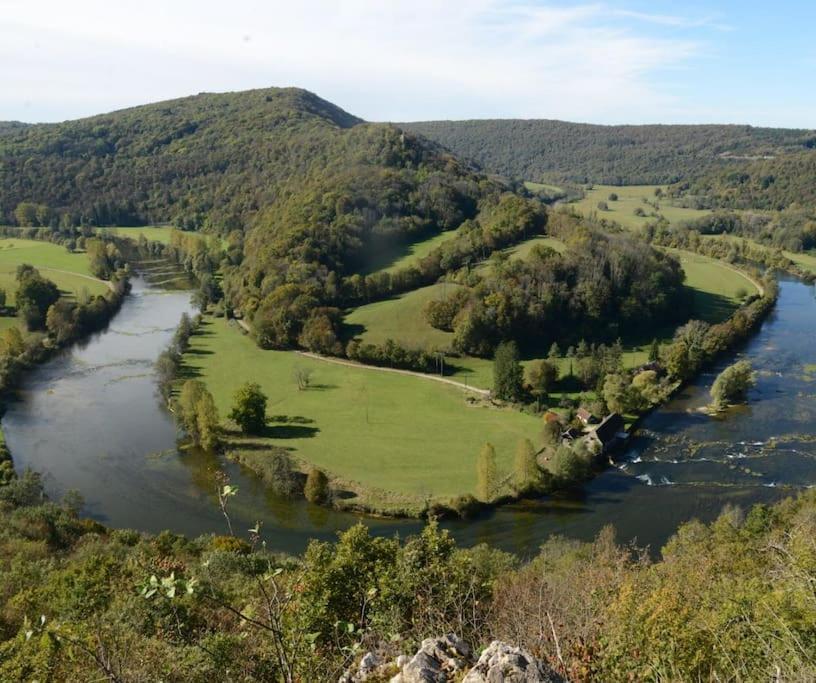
(446, 659)
(438, 660)
(501, 662)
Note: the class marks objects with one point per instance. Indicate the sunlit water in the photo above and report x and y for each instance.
(90, 420)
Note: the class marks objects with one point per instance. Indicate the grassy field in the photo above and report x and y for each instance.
(542, 187)
(403, 256)
(395, 433)
(523, 249)
(401, 319)
(803, 260)
(718, 288)
(152, 233)
(630, 198)
(68, 271)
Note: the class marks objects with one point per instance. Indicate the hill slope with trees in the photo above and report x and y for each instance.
(541, 149)
(765, 184)
(209, 160)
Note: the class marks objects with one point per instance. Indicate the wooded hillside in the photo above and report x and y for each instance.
(770, 184)
(540, 149)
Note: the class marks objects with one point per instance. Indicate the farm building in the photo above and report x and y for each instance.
(609, 433)
(586, 417)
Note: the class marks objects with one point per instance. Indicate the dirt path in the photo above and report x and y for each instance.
(361, 366)
(107, 283)
(750, 279)
(410, 373)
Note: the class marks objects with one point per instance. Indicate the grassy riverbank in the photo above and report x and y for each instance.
(69, 271)
(395, 441)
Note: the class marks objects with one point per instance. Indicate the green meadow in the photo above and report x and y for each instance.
(400, 318)
(69, 271)
(542, 187)
(390, 262)
(406, 438)
(631, 198)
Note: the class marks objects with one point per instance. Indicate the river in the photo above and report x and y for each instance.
(90, 420)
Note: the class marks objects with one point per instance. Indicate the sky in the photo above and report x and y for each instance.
(394, 60)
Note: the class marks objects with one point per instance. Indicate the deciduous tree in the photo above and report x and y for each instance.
(249, 408)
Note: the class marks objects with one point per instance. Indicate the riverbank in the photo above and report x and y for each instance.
(387, 445)
(125, 460)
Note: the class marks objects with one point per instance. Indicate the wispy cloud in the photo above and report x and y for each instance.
(394, 60)
(676, 21)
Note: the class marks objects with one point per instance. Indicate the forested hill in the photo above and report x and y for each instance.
(770, 184)
(542, 150)
(11, 126)
(210, 159)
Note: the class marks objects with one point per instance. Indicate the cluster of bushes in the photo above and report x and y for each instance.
(768, 184)
(169, 361)
(68, 321)
(196, 412)
(697, 343)
(392, 355)
(793, 228)
(731, 600)
(441, 313)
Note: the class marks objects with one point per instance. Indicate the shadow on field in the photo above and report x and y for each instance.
(290, 432)
(290, 427)
(711, 307)
(187, 371)
(320, 387)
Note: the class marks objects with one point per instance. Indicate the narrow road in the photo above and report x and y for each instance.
(107, 283)
(750, 279)
(361, 366)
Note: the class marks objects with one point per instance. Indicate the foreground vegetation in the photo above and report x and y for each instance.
(79, 602)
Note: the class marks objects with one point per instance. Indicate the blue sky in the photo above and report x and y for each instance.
(601, 62)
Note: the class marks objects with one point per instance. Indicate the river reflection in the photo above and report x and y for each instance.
(90, 420)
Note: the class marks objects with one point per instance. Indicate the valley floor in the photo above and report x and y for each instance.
(400, 439)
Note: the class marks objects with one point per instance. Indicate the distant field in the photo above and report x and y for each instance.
(718, 287)
(152, 233)
(400, 318)
(523, 249)
(400, 434)
(68, 271)
(715, 285)
(542, 187)
(630, 198)
(805, 260)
